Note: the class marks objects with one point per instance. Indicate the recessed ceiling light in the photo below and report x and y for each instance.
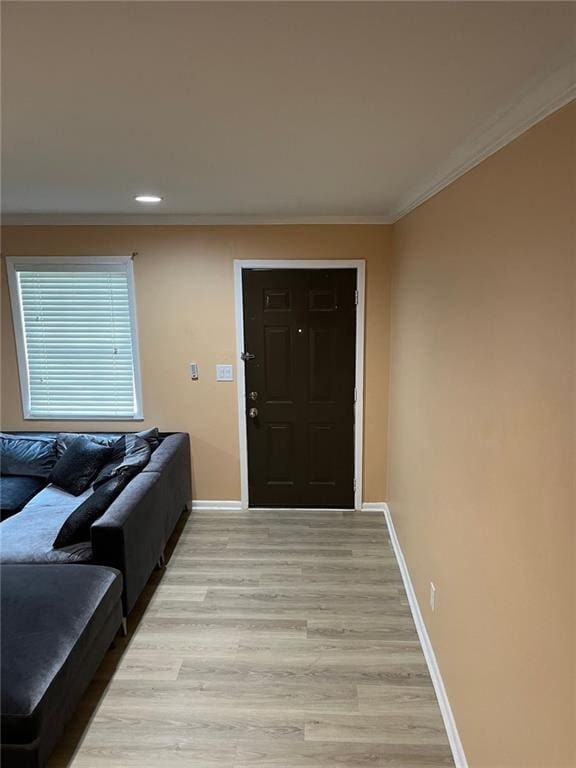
(148, 199)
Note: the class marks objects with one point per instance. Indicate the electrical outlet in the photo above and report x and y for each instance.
(224, 373)
(432, 595)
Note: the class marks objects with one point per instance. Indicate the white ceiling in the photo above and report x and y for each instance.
(270, 110)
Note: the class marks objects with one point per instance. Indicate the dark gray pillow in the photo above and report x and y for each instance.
(76, 527)
(152, 437)
(129, 455)
(16, 491)
(64, 439)
(77, 468)
(24, 455)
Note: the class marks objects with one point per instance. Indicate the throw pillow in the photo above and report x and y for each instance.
(152, 437)
(24, 455)
(129, 455)
(76, 527)
(64, 439)
(79, 465)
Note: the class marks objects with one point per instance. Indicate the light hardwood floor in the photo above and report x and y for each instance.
(272, 639)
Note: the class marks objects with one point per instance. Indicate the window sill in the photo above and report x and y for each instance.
(52, 417)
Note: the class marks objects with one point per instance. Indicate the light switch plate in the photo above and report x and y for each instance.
(224, 373)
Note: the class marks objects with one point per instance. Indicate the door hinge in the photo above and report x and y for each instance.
(356, 298)
(354, 394)
(354, 483)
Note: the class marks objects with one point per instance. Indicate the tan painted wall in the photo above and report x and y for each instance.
(184, 287)
(483, 411)
(481, 451)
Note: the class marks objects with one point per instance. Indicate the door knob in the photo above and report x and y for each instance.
(253, 412)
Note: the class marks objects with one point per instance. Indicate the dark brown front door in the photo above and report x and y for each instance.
(300, 351)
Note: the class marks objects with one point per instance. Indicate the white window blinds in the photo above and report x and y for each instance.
(77, 338)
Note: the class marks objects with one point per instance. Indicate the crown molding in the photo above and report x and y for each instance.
(177, 219)
(541, 98)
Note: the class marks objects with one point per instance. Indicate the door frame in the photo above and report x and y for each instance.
(360, 266)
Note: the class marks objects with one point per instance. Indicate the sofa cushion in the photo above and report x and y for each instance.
(30, 456)
(28, 536)
(129, 455)
(57, 623)
(79, 465)
(16, 491)
(76, 527)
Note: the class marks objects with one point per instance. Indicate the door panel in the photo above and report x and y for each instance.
(278, 363)
(321, 364)
(280, 453)
(276, 300)
(321, 301)
(300, 325)
(320, 454)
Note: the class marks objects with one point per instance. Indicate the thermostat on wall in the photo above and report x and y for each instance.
(194, 371)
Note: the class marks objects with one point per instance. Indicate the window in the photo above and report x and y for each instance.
(75, 326)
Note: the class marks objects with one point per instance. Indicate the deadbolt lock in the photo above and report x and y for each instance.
(253, 396)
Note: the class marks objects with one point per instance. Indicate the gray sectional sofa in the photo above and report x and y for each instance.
(130, 536)
(62, 607)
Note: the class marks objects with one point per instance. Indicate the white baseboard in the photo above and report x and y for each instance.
(441, 695)
(373, 506)
(236, 506)
(300, 510)
(198, 505)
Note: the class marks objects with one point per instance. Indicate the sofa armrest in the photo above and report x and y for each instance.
(173, 454)
(172, 460)
(130, 535)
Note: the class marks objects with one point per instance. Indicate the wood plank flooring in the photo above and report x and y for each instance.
(272, 640)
